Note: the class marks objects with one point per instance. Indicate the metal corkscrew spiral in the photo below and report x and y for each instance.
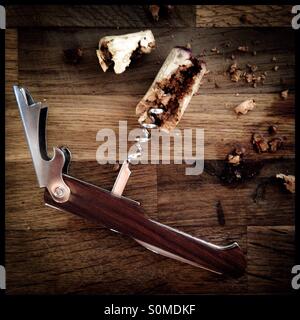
(146, 134)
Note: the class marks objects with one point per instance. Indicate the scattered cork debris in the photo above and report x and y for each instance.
(273, 59)
(215, 50)
(267, 144)
(284, 94)
(275, 144)
(237, 169)
(245, 106)
(236, 156)
(235, 72)
(233, 67)
(260, 143)
(234, 159)
(252, 67)
(243, 48)
(288, 181)
(275, 68)
(236, 76)
(248, 75)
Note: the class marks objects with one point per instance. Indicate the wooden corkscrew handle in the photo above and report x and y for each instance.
(124, 216)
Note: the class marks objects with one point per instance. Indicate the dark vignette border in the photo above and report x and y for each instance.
(2, 152)
(297, 142)
(211, 304)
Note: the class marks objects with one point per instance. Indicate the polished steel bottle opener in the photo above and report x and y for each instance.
(110, 209)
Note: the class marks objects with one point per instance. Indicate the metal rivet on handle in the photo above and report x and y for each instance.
(59, 192)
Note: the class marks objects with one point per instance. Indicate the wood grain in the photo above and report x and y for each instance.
(91, 260)
(83, 116)
(100, 16)
(200, 195)
(42, 69)
(243, 15)
(270, 258)
(11, 59)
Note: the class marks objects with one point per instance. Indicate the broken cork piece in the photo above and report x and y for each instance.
(171, 91)
(236, 156)
(119, 50)
(237, 169)
(289, 181)
(284, 94)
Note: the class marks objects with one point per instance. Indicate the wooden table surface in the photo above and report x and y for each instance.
(48, 251)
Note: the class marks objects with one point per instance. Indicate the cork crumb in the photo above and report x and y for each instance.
(260, 143)
(289, 181)
(243, 48)
(284, 94)
(236, 156)
(245, 106)
(249, 75)
(235, 72)
(215, 50)
(263, 144)
(275, 144)
(237, 169)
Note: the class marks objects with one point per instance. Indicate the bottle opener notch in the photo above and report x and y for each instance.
(48, 170)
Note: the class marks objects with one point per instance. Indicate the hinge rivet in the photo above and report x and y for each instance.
(59, 192)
